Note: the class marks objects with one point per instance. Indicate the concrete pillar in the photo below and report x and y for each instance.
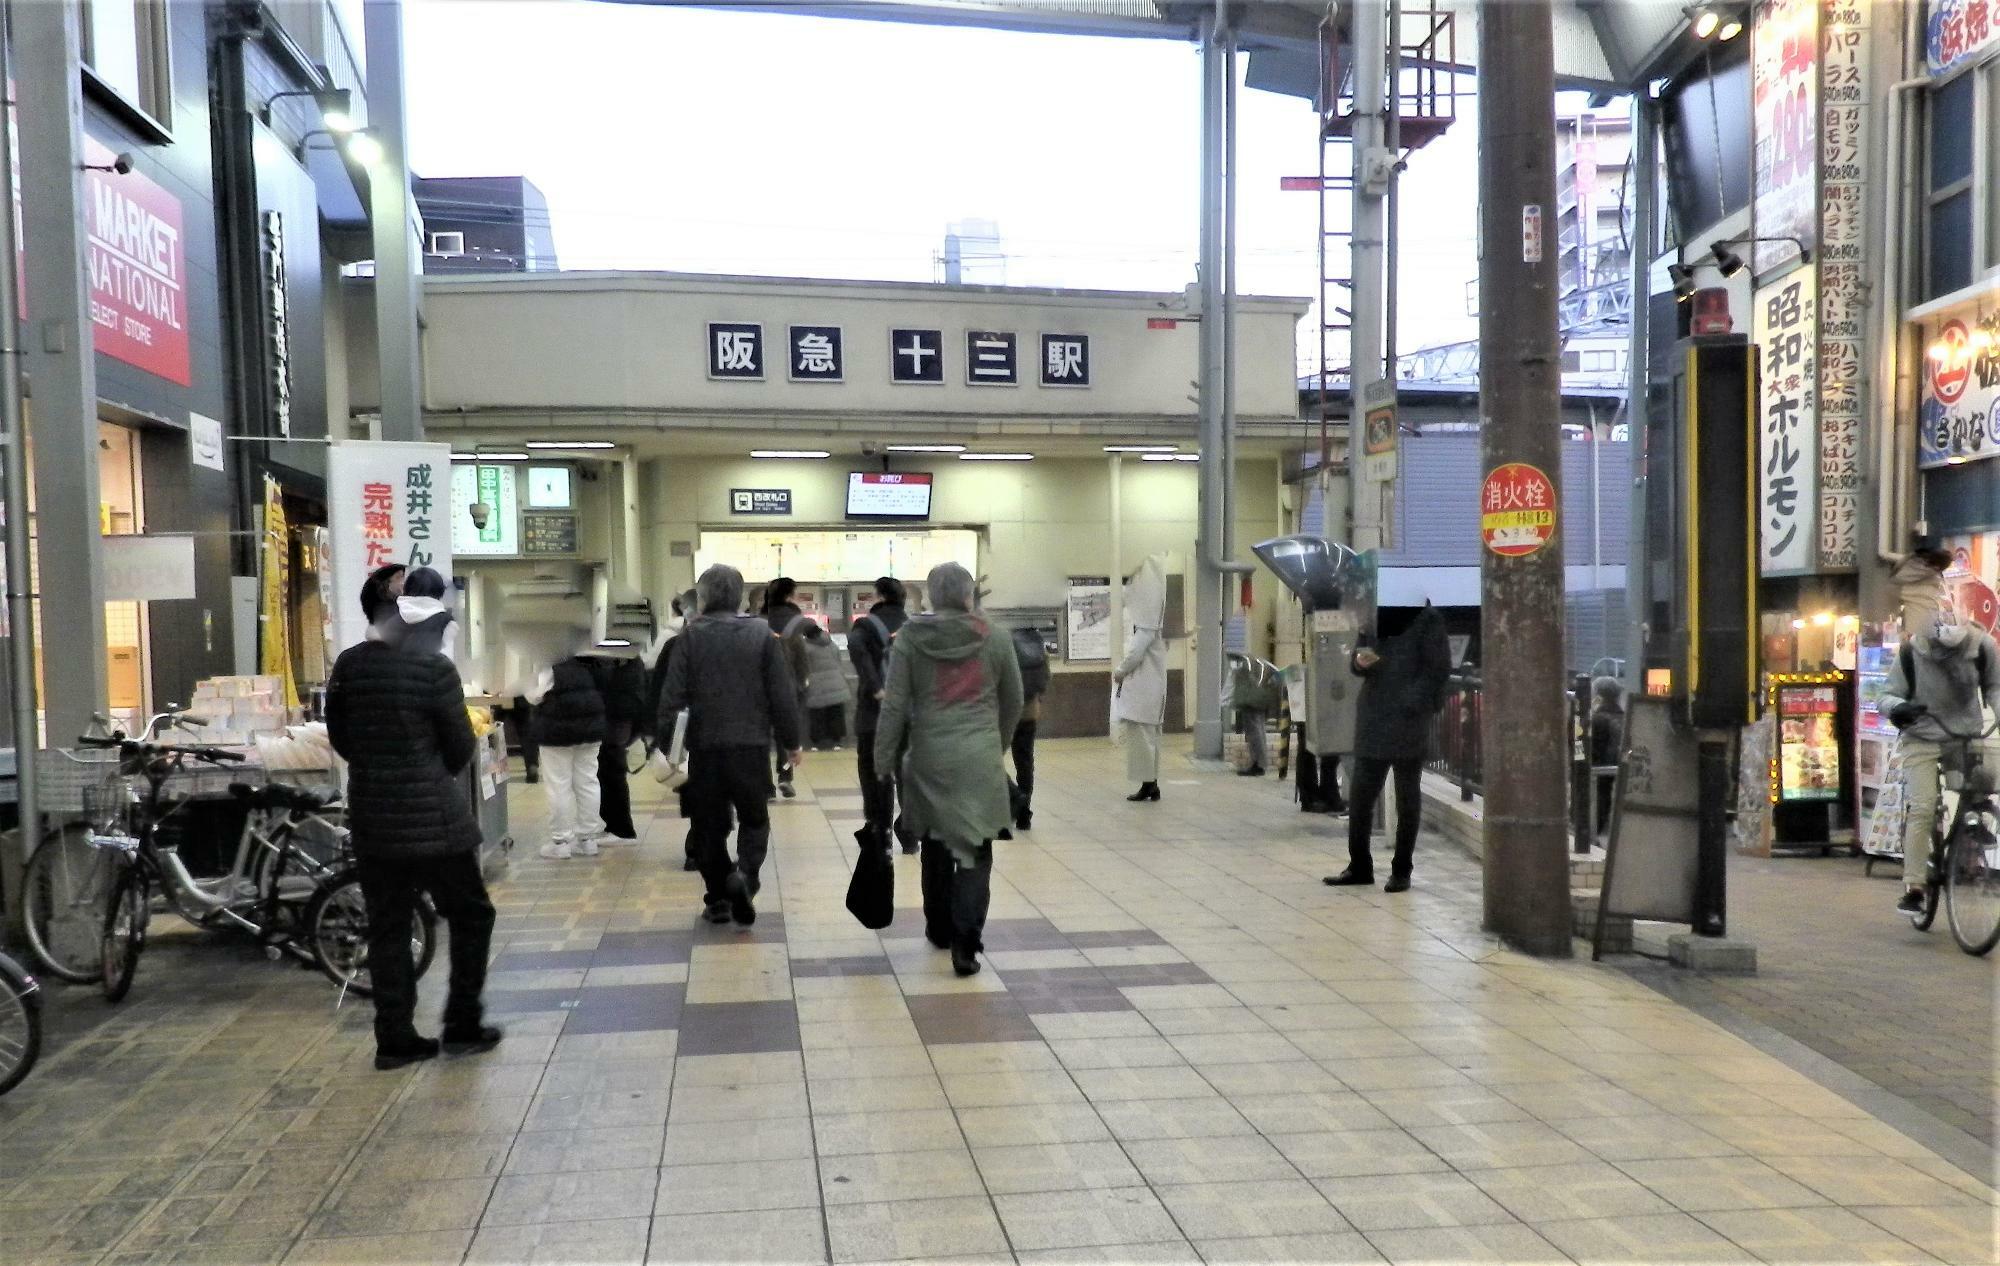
(632, 558)
(397, 255)
(1117, 515)
(61, 365)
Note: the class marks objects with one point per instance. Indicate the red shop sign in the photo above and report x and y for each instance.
(138, 269)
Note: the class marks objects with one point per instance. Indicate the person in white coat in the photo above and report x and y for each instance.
(1139, 686)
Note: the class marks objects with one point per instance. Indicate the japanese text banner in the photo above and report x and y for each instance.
(1784, 324)
(386, 503)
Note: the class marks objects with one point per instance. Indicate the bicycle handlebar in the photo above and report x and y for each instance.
(132, 747)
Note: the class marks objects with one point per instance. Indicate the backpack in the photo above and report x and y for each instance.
(1033, 655)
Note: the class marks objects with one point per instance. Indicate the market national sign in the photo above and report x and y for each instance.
(138, 269)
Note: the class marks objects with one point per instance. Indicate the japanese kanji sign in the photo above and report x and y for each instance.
(1842, 261)
(990, 360)
(736, 350)
(1958, 403)
(1784, 322)
(916, 356)
(1065, 360)
(1517, 509)
(1954, 30)
(815, 353)
(1784, 103)
(386, 503)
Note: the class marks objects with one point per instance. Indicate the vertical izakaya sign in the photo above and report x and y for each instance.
(1843, 264)
(1783, 324)
(1784, 97)
(386, 503)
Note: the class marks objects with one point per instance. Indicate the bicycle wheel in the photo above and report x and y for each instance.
(20, 1024)
(337, 930)
(124, 933)
(1972, 890)
(66, 890)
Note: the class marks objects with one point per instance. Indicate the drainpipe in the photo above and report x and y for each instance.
(1896, 414)
(1637, 561)
(13, 435)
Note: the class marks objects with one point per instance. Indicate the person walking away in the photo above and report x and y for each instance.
(1032, 654)
(952, 702)
(788, 622)
(1402, 688)
(868, 644)
(621, 681)
(395, 711)
(1607, 732)
(661, 656)
(1139, 686)
(826, 689)
(730, 674)
(1937, 687)
(570, 726)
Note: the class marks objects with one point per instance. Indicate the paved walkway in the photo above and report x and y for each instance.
(1184, 1049)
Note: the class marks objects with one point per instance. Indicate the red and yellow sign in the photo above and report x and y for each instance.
(1517, 510)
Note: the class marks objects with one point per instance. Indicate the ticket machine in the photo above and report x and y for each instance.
(1337, 586)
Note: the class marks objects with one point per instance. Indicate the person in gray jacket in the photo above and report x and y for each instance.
(731, 675)
(1943, 679)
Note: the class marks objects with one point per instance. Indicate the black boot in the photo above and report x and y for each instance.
(1146, 791)
(964, 957)
(470, 1039)
(413, 1049)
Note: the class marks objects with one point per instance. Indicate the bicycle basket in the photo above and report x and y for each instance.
(108, 806)
(63, 777)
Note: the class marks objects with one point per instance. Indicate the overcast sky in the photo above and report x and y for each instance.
(693, 140)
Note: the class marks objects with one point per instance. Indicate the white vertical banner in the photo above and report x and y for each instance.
(1843, 270)
(1784, 109)
(1784, 322)
(386, 503)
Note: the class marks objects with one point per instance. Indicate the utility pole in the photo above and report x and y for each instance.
(1374, 165)
(397, 256)
(1525, 718)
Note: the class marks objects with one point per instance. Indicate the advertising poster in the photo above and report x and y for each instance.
(385, 503)
(1784, 105)
(1783, 323)
(138, 268)
(1808, 743)
(1955, 30)
(1958, 400)
(1843, 269)
(1088, 607)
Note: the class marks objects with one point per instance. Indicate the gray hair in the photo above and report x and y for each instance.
(952, 588)
(720, 588)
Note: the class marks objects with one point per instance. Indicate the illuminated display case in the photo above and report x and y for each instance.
(1811, 767)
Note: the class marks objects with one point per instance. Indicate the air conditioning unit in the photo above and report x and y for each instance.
(448, 244)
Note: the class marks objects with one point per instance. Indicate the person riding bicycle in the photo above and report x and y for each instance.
(1943, 678)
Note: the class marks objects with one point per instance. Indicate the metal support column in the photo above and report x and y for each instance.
(1216, 69)
(1372, 163)
(1638, 603)
(19, 550)
(1525, 718)
(390, 215)
(62, 364)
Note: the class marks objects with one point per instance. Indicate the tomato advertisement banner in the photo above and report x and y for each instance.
(1517, 510)
(1958, 400)
(1784, 107)
(138, 269)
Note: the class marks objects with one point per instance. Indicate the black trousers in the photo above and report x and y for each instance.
(1363, 790)
(828, 724)
(956, 896)
(615, 793)
(522, 716)
(1021, 788)
(722, 780)
(878, 794)
(390, 888)
(1317, 777)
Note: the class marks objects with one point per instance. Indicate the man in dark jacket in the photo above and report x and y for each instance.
(868, 644)
(1033, 656)
(621, 680)
(570, 729)
(788, 621)
(1401, 691)
(396, 714)
(731, 675)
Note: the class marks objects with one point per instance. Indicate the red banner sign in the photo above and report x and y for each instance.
(138, 269)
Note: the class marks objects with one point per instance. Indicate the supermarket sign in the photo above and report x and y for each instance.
(138, 269)
(1958, 404)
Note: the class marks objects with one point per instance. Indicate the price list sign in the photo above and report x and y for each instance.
(1843, 263)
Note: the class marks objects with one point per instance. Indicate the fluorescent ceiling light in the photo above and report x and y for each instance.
(996, 457)
(1141, 448)
(1171, 457)
(489, 457)
(559, 444)
(802, 453)
(925, 448)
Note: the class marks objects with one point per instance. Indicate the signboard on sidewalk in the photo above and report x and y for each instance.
(1649, 860)
(385, 503)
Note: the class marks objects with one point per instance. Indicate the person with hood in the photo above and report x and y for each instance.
(395, 711)
(1403, 680)
(1139, 685)
(1920, 589)
(729, 673)
(868, 645)
(570, 726)
(952, 702)
(1943, 679)
(826, 689)
(788, 623)
(1607, 731)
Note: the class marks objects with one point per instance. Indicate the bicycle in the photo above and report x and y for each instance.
(1964, 865)
(20, 1023)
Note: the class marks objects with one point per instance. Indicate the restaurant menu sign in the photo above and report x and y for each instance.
(1808, 742)
(385, 503)
(138, 268)
(1842, 262)
(1783, 322)
(1784, 103)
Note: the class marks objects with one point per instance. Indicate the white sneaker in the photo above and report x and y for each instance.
(556, 851)
(586, 848)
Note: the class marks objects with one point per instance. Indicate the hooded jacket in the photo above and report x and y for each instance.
(397, 717)
(1403, 690)
(952, 702)
(827, 686)
(571, 713)
(1951, 682)
(1142, 696)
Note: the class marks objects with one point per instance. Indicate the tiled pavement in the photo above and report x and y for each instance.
(1184, 1049)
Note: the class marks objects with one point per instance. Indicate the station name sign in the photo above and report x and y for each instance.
(737, 352)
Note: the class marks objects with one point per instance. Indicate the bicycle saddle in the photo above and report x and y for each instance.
(276, 797)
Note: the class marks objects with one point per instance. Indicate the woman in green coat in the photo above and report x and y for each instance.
(950, 706)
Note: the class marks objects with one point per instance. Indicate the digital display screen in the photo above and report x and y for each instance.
(548, 488)
(884, 495)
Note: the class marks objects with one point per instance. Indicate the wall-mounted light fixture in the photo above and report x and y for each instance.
(1714, 22)
(336, 108)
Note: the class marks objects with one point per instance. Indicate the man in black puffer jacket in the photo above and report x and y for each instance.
(396, 714)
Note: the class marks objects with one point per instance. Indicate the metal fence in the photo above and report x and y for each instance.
(1456, 754)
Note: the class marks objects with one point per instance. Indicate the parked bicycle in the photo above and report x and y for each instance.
(1965, 848)
(20, 1023)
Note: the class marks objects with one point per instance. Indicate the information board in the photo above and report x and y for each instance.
(888, 495)
(543, 532)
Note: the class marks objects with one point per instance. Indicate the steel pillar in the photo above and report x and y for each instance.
(391, 217)
(1368, 252)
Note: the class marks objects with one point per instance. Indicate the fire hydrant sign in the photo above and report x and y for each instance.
(1517, 510)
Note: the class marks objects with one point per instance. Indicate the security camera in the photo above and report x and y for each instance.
(122, 164)
(869, 448)
(480, 512)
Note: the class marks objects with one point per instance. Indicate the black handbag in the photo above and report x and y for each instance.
(871, 893)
